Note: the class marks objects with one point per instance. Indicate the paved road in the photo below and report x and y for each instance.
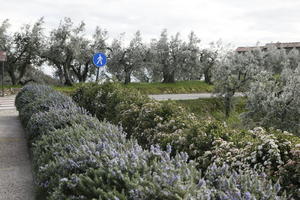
(16, 182)
(162, 97)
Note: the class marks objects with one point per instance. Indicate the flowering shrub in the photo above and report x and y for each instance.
(237, 185)
(74, 159)
(146, 120)
(29, 93)
(206, 142)
(104, 164)
(43, 122)
(44, 103)
(264, 151)
(65, 151)
(151, 122)
(289, 173)
(103, 100)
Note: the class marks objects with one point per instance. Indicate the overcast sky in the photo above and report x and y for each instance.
(239, 22)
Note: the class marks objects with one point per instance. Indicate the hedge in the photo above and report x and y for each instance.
(74, 159)
(154, 123)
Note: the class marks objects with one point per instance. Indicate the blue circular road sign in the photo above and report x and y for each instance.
(99, 59)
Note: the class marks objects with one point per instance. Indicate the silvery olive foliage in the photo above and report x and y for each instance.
(99, 162)
(23, 49)
(175, 59)
(69, 51)
(274, 59)
(124, 60)
(233, 74)
(274, 101)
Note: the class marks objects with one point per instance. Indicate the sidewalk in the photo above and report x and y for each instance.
(16, 180)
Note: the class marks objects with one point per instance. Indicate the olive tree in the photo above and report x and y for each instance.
(23, 49)
(82, 67)
(274, 101)
(151, 70)
(69, 51)
(191, 65)
(208, 59)
(274, 59)
(124, 60)
(60, 52)
(234, 73)
(169, 56)
(293, 59)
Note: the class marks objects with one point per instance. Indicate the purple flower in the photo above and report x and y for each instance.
(247, 196)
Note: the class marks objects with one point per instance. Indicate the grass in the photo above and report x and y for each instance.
(172, 88)
(68, 90)
(10, 89)
(149, 88)
(11, 86)
(214, 108)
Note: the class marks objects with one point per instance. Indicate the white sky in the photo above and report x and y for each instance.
(239, 22)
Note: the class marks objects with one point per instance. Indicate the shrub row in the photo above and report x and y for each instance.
(206, 142)
(75, 156)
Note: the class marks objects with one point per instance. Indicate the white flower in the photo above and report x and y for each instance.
(270, 151)
(259, 147)
(63, 180)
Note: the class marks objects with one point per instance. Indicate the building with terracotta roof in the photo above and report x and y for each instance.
(288, 46)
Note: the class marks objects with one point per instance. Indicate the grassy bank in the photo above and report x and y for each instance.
(172, 88)
(149, 88)
(68, 90)
(214, 108)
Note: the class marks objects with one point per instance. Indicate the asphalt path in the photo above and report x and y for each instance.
(16, 180)
(163, 97)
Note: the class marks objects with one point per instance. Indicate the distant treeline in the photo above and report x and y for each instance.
(164, 59)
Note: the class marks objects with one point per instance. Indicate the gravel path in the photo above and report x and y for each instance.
(16, 182)
(162, 97)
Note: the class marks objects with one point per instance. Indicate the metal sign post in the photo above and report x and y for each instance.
(97, 75)
(99, 60)
(2, 79)
(3, 59)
